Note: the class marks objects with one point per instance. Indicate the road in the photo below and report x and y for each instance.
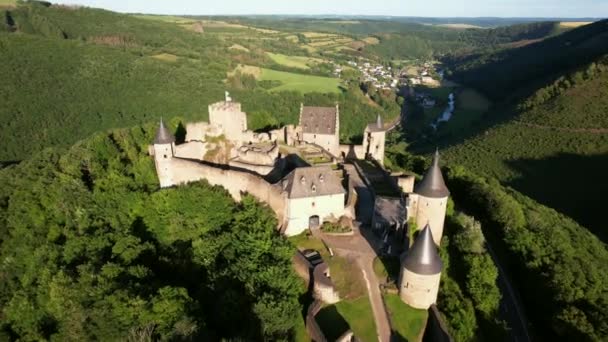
(359, 249)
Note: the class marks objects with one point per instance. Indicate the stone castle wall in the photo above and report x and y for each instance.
(236, 182)
(417, 290)
(330, 142)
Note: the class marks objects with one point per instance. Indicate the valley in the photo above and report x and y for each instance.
(92, 248)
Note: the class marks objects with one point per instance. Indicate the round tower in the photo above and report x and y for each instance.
(432, 200)
(164, 150)
(421, 272)
(374, 140)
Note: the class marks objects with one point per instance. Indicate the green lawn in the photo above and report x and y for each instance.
(301, 62)
(406, 321)
(386, 268)
(356, 315)
(299, 82)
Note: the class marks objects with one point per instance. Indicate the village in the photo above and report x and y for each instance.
(335, 201)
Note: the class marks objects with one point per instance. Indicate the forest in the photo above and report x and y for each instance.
(559, 268)
(518, 71)
(92, 251)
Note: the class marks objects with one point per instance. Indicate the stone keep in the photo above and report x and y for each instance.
(321, 126)
(228, 117)
(421, 272)
(430, 200)
(164, 150)
(374, 140)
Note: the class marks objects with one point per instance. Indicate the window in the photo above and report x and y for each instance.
(165, 156)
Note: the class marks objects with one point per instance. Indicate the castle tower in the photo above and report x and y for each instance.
(228, 116)
(432, 200)
(374, 140)
(421, 272)
(164, 150)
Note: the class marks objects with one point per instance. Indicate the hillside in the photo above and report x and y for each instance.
(92, 251)
(68, 72)
(555, 149)
(520, 70)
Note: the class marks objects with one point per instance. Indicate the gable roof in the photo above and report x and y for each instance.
(432, 184)
(423, 257)
(318, 120)
(163, 136)
(312, 181)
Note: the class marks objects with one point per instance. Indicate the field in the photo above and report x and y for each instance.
(356, 315)
(290, 81)
(573, 24)
(294, 61)
(405, 320)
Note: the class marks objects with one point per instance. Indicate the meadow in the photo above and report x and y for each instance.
(290, 81)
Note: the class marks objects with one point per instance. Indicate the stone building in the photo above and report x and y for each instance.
(314, 195)
(164, 149)
(420, 272)
(321, 126)
(374, 139)
(228, 117)
(428, 203)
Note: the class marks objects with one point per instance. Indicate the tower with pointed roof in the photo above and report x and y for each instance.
(164, 150)
(374, 139)
(421, 272)
(429, 204)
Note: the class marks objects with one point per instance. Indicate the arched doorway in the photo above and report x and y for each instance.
(314, 222)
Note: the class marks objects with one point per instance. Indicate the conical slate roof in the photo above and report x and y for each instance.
(432, 184)
(423, 258)
(163, 136)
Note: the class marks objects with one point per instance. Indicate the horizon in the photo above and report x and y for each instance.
(513, 9)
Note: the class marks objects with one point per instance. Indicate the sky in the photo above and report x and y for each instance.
(421, 8)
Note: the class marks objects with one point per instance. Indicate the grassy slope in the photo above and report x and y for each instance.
(356, 315)
(299, 82)
(547, 153)
(406, 321)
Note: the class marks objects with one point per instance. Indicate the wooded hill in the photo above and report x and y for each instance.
(68, 72)
(92, 251)
(552, 144)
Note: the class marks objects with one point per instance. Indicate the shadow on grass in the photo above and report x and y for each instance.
(331, 322)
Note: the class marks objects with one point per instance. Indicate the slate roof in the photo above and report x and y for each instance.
(423, 258)
(318, 120)
(432, 184)
(163, 136)
(312, 181)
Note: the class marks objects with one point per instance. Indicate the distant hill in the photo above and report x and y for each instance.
(70, 71)
(555, 148)
(500, 74)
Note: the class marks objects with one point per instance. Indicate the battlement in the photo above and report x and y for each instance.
(225, 106)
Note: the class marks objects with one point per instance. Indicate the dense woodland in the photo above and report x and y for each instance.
(559, 268)
(69, 72)
(92, 251)
(500, 73)
(553, 147)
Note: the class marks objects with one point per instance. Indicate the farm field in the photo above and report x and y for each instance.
(301, 62)
(292, 81)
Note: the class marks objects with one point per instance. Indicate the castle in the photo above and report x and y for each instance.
(294, 169)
